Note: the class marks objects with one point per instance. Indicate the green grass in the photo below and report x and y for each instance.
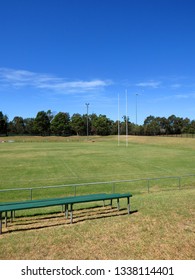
(53, 162)
(162, 227)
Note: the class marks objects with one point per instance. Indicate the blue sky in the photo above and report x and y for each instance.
(62, 54)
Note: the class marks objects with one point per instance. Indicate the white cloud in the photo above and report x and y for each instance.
(185, 95)
(151, 84)
(22, 78)
(75, 86)
(176, 86)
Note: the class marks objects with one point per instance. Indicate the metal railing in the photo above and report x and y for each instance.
(145, 185)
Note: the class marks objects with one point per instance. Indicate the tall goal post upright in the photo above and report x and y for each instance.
(118, 121)
(126, 120)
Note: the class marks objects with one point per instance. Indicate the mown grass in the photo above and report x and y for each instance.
(39, 161)
(162, 227)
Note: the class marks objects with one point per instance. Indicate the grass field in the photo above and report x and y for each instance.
(160, 227)
(73, 160)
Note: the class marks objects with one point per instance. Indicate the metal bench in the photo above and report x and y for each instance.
(66, 201)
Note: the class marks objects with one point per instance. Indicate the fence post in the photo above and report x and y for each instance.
(148, 185)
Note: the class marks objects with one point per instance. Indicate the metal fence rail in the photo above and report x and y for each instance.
(148, 185)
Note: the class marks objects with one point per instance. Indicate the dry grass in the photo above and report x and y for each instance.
(151, 140)
(162, 228)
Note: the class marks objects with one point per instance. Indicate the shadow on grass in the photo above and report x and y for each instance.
(79, 216)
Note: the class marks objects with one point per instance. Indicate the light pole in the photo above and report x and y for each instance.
(87, 104)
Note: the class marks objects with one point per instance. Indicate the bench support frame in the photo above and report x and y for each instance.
(12, 207)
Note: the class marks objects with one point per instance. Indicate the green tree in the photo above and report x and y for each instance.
(3, 124)
(91, 121)
(102, 125)
(50, 115)
(115, 128)
(185, 125)
(78, 124)
(126, 126)
(151, 126)
(172, 120)
(191, 129)
(29, 126)
(164, 125)
(42, 124)
(18, 126)
(60, 124)
(177, 125)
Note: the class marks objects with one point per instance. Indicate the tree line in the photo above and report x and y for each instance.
(62, 124)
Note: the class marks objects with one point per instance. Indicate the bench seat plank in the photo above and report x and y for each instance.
(71, 200)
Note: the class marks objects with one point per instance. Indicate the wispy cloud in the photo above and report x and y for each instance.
(176, 86)
(182, 96)
(150, 84)
(24, 78)
(174, 97)
(74, 86)
(185, 95)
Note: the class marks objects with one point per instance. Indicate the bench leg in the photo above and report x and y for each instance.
(118, 206)
(5, 219)
(128, 205)
(71, 213)
(111, 203)
(66, 211)
(11, 216)
(0, 223)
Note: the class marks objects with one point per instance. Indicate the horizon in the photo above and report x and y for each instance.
(53, 114)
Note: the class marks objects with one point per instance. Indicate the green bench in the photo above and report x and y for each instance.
(68, 202)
